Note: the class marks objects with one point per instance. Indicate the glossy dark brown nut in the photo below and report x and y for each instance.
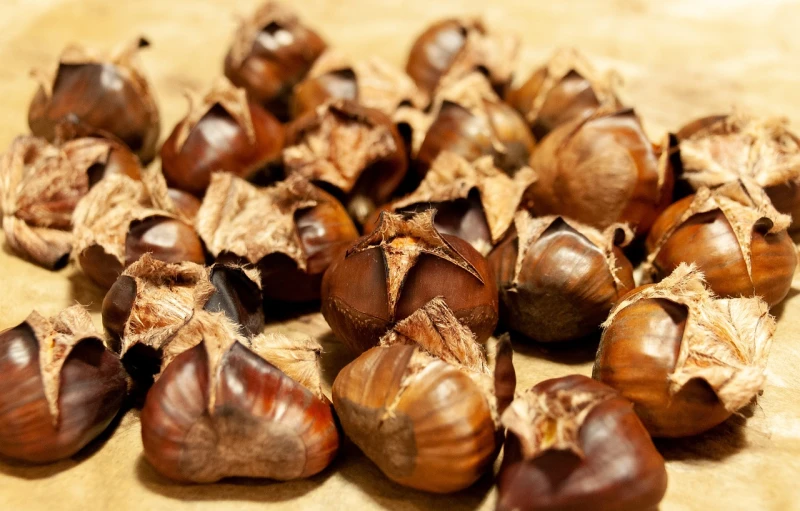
(566, 283)
(241, 416)
(565, 89)
(217, 142)
(452, 48)
(313, 92)
(428, 423)
(606, 463)
(695, 231)
(390, 273)
(110, 94)
(90, 387)
(630, 180)
(238, 297)
(186, 203)
(644, 354)
(271, 52)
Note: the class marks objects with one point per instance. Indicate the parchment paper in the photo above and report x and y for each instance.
(680, 59)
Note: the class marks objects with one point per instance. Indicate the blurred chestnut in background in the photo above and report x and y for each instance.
(601, 170)
(402, 265)
(117, 222)
(372, 83)
(272, 50)
(720, 149)
(424, 405)
(152, 302)
(224, 132)
(473, 201)
(222, 409)
(291, 231)
(452, 48)
(566, 88)
(469, 119)
(733, 235)
(573, 444)
(558, 278)
(686, 359)
(107, 92)
(351, 151)
(59, 386)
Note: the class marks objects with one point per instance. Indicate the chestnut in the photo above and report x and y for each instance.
(373, 83)
(601, 170)
(566, 88)
(720, 149)
(424, 404)
(404, 263)
(686, 359)
(291, 231)
(574, 443)
(733, 235)
(107, 92)
(352, 151)
(271, 52)
(558, 279)
(116, 223)
(59, 386)
(452, 48)
(222, 409)
(152, 302)
(469, 119)
(473, 201)
(222, 131)
(41, 184)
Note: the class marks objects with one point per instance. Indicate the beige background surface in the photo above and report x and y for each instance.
(680, 59)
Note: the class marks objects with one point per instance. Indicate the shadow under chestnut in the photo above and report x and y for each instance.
(574, 352)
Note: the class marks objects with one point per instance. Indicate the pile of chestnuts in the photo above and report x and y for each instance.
(424, 213)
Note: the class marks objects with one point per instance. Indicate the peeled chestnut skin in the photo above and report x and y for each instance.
(439, 438)
(355, 302)
(255, 430)
(621, 470)
(638, 352)
(167, 239)
(433, 53)
(218, 143)
(99, 96)
(565, 289)
(708, 241)
(275, 64)
(92, 390)
(324, 231)
(313, 92)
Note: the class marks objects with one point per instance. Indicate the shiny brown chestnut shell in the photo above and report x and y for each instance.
(618, 468)
(271, 52)
(602, 170)
(708, 240)
(360, 286)
(260, 424)
(566, 283)
(111, 96)
(217, 142)
(686, 359)
(91, 391)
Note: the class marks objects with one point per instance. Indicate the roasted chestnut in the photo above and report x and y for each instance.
(558, 278)
(733, 235)
(271, 52)
(59, 386)
(574, 443)
(109, 93)
(396, 269)
(424, 404)
(223, 131)
(291, 231)
(686, 359)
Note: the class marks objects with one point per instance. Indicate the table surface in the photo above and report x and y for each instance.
(680, 59)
